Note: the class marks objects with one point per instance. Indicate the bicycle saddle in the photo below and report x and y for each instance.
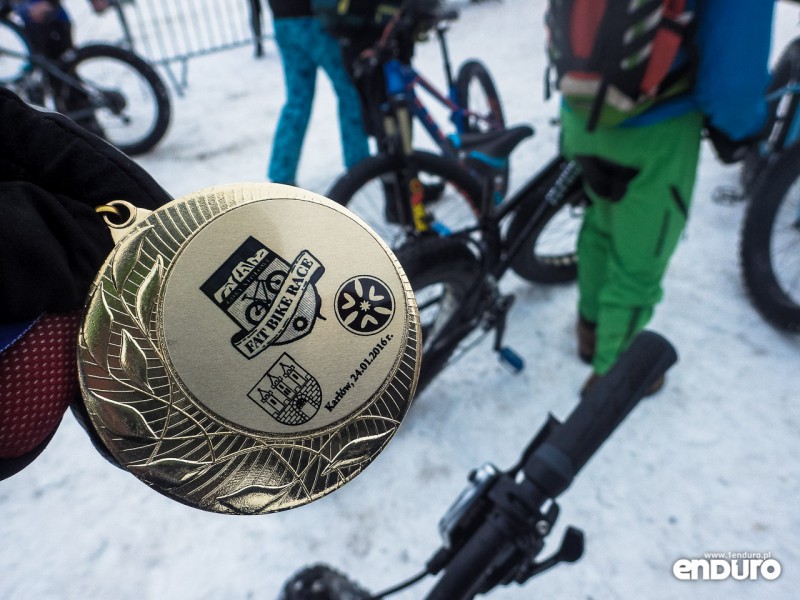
(486, 151)
(497, 144)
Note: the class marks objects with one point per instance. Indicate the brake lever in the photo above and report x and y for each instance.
(571, 550)
(468, 509)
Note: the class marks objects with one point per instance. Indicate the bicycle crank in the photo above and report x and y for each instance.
(495, 318)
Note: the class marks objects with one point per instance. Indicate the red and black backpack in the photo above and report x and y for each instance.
(615, 58)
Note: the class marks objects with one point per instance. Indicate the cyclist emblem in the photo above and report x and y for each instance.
(273, 301)
(364, 305)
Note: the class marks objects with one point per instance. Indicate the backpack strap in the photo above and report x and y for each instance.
(672, 31)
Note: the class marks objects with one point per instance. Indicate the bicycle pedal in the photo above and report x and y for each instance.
(510, 359)
(441, 229)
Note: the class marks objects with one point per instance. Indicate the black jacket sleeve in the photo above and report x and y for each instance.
(52, 175)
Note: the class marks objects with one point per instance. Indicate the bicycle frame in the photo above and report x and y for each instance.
(562, 187)
(401, 79)
(52, 69)
(783, 97)
(488, 307)
(501, 251)
(401, 82)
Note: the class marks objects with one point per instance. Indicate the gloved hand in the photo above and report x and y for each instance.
(52, 242)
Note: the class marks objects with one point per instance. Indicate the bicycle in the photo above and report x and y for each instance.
(399, 172)
(456, 277)
(769, 248)
(404, 193)
(471, 96)
(108, 89)
(495, 530)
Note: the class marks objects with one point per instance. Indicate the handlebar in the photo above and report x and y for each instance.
(495, 530)
(402, 30)
(433, 9)
(600, 411)
(501, 547)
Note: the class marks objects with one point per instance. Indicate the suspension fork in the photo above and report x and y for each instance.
(792, 123)
(410, 199)
(567, 182)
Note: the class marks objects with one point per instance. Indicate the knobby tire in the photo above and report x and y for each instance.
(770, 243)
(144, 119)
(473, 75)
(549, 254)
(12, 69)
(443, 273)
(371, 187)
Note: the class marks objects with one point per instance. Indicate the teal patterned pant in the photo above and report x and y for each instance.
(305, 47)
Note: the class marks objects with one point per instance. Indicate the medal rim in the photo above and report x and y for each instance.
(233, 197)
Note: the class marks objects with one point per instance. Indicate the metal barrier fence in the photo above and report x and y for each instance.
(167, 33)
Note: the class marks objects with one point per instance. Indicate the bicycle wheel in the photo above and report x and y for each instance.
(781, 111)
(372, 190)
(770, 243)
(14, 53)
(443, 273)
(119, 92)
(549, 253)
(478, 94)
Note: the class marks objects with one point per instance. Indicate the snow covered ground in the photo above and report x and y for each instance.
(708, 465)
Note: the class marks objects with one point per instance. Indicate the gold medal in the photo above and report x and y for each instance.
(247, 348)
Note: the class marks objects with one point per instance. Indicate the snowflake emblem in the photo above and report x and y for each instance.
(364, 305)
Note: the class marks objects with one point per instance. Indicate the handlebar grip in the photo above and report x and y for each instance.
(464, 575)
(429, 8)
(553, 465)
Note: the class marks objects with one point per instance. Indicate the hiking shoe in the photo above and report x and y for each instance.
(585, 331)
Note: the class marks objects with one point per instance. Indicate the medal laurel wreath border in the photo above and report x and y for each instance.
(153, 426)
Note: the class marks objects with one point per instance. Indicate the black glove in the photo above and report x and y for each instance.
(730, 151)
(52, 242)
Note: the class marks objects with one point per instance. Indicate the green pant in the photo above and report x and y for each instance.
(640, 181)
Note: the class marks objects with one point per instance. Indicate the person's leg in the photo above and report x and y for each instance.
(646, 176)
(293, 37)
(371, 88)
(594, 240)
(593, 248)
(328, 55)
